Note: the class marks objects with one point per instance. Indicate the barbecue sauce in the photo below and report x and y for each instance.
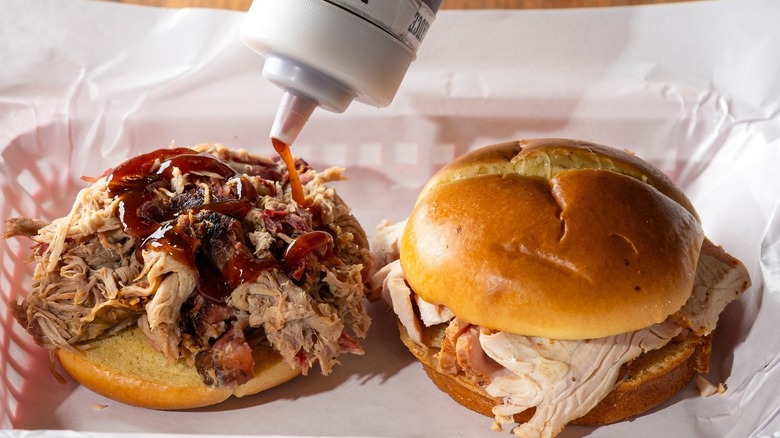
(132, 182)
(243, 269)
(158, 227)
(318, 242)
(135, 182)
(283, 149)
(171, 238)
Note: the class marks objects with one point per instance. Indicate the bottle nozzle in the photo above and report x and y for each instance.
(291, 116)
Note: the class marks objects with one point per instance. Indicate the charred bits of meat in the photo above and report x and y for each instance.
(207, 253)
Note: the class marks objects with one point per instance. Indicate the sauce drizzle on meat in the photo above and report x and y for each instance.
(205, 234)
(283, 149)
(204, 251)
(317, 242)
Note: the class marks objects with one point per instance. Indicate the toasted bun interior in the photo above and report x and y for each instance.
(125, 368)
(553, 238)
(642, 384)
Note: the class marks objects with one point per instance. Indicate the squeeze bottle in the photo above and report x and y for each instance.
(327, 53)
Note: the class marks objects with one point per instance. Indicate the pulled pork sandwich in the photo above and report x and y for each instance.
(185, 275)
(551, 281)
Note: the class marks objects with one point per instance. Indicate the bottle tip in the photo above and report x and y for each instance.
(291, 116)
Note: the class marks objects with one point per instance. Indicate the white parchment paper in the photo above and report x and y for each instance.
(692, 87)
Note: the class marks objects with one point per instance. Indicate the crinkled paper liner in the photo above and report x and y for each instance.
(690, 87)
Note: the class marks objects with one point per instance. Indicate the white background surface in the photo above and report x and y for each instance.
(692, 88)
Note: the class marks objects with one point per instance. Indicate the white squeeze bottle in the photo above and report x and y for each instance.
(327, 53)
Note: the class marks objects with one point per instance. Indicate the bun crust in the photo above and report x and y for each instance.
(642, 384)
(125, 368)
(553, 238)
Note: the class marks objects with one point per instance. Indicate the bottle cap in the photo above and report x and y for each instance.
(328, 41)
(291, 116)
(329, 53)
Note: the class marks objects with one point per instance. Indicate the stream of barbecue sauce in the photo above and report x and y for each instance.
(283, 149)
(315, 241)
(134, 183)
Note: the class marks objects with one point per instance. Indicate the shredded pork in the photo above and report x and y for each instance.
(94, 276)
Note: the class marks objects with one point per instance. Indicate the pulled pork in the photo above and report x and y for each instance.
(206, 252)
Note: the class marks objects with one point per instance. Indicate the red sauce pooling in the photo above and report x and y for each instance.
(135, 182)
(319, 241)
(246, 191)
(131, 182)
(196, 163)
(135, 172)
(155, 222)
(216, 286)
(283, 149)
(173, 240)
(242, 269)
(212, 285)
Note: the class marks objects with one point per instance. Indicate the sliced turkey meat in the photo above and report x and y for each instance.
(562, 379)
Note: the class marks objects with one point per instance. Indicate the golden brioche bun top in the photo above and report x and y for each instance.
(555, 238)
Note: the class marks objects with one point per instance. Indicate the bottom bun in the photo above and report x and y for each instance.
(642, 384)
(125, 368)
